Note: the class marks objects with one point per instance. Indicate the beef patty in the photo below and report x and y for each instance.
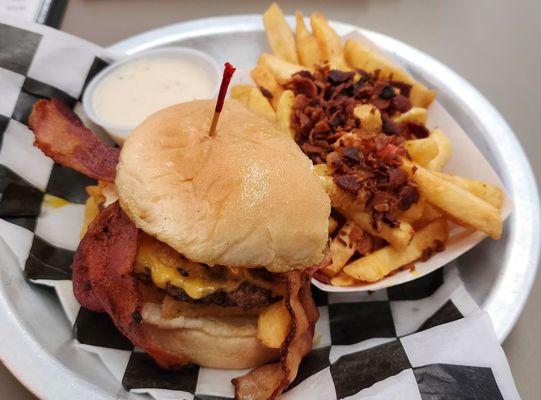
(244, 296)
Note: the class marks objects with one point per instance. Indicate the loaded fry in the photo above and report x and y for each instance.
(361, 119)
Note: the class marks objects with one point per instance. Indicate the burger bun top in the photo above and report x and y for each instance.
(247, 197)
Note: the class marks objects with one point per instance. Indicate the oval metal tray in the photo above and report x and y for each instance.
(498, 274)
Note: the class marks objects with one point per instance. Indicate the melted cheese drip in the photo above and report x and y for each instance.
(167, 267)
(53, 201)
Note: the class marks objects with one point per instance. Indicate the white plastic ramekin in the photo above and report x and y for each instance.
(195, 57)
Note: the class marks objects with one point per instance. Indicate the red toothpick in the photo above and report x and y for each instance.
(229, 70)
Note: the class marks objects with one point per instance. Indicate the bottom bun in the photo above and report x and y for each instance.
(229, 343)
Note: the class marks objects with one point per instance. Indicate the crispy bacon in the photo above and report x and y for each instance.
(270, 380)
(105, 260)
(62, 136)
(82, 288)
(365, 163)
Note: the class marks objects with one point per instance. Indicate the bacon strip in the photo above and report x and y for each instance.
(270, 380)
(82, 288)
(62, 136)
(104, 264)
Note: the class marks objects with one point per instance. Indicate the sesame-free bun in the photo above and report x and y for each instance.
(214, 342)
(247, 197)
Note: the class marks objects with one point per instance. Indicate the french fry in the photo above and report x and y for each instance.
(416, 115)
(340, 198)
(445, 150)
(415, 212)
(377, 265)
(301, 31)
(241, 93)
(266, 81)
(260, 105)
(485, 191)
(307, 45)
(341, 250)
(284, 110)
(370, 117)
(398, 237)
(279, 34)
(333, 224)
(282, 70)
(343, 279)
(443, 198)
(329, 42)
(360, 55)
(463, 206)
(94, 191)
(422, 151)
(430, 213)
(324, 173)
(273, 325)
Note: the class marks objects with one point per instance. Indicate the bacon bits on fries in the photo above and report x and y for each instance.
(361, 119)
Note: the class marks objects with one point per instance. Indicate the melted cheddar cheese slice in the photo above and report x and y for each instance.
(165, 266)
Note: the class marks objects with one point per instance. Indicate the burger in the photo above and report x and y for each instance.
(199, 248)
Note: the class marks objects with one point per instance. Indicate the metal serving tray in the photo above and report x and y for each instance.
(498, 274)
(36, 337)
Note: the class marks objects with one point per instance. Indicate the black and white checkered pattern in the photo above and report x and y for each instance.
(425, 339)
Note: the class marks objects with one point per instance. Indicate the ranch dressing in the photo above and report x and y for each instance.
(133, 91)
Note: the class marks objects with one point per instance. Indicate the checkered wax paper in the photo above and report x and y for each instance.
(425, 339)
